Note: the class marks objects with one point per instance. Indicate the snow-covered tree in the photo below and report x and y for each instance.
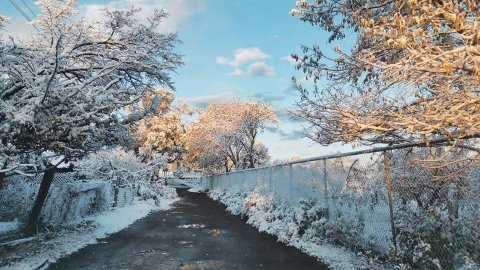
(412, 74)
(225, 135)
(165, 131)
(63, 89)
(255, 116)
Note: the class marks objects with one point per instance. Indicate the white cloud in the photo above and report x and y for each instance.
(245, 55)
(222, 60)
(179, 11)
(260, 69)
(253, 59)
(204, 101)
(289, 59)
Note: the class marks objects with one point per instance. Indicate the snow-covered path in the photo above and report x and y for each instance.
(197, 233)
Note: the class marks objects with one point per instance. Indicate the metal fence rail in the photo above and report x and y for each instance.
(385, 204)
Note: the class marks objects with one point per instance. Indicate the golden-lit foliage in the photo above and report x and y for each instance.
(227, 133)
(166, 99)
(413, 74)
(163, 132)
(439, 45)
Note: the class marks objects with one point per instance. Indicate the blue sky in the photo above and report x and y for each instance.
(235, 49)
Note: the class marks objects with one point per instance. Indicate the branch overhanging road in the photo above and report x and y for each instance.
(197, 233)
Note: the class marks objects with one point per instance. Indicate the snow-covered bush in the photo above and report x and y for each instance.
(429, 240)
(130, 176)
(156, 191)
(232, 198)
(180, 172)
(116, 164)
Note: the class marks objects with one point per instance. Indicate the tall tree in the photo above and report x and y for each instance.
(227, 133)
(63, 89)
(165, 131)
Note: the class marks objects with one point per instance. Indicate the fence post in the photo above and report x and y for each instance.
(290, 180)
(2, 174)
(388, 181)
(325, 184)
(270, 180)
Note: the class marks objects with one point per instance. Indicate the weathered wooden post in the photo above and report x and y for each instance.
(388, 181)
(48, 176)
(290, 167)
(2, 174)
(325, 184)
(270, 179)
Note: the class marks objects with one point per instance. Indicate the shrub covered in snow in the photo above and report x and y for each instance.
(428, 240)
(115, 164)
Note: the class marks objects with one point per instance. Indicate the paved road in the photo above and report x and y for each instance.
(197, 233)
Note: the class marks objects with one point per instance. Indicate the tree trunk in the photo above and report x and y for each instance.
(252, 162)
(251, 155)
(388, 182)
(252, 148)
(115, 195)
(226, 166)
(39, 201)
(2, 175)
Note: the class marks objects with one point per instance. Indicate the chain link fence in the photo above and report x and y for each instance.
(70, 197)
(382, 204)
(60, 178)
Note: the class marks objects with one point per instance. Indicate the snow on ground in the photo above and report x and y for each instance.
(281, 220)
(7, 227)
(192, 181)
(41, 252)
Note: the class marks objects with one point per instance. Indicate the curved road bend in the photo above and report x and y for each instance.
(197, 233)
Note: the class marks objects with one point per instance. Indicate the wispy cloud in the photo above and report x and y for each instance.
(179, 11)
(286, 115)
(269, 97)
(286, 136)
(247, 62)
(291, 136)
(204, 101)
